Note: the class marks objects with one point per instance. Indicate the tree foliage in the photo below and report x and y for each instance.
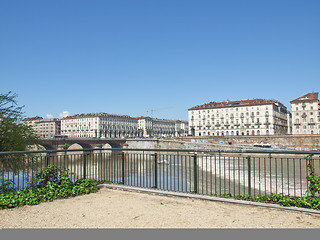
(14, 135)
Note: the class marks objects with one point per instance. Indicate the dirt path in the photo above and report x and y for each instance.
(122, 209)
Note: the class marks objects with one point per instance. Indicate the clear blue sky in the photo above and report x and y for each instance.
(128, 56)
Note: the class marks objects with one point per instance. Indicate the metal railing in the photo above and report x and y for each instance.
(206, 172)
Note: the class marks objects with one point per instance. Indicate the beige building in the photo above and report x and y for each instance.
(245, 117)
(306, 114)
(44, 128)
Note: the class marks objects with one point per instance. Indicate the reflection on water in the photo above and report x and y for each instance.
(209, 174)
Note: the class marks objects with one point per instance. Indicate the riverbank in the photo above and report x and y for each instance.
(110, 208)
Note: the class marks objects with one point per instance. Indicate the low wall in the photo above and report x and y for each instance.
(286, 141)
(155, 144)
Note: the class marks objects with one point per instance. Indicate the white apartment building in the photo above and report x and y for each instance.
(244, 117)
(306, 114)
(99, 125)
(44, 128)
(103, 125)
(153, 127)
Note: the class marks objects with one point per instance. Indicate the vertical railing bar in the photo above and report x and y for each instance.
(143, 171)
(219, 173)
(288, 171)
(215, 173)
(140, 180)
(167, 177)
(254, 176)
(195, 179)
(206, 171)
(32, 167)
(23, 170)
(202, 178)
(244, 174)
(159, 182)
(224, 174)
(123, 168)
(211, 175)
(185, 173)
(275, 163)
(131, 168)
(239, 175)
(190, 171)
(270, 161)
(155, 171)
(133, 160)
(229, 175)
(234, 175)
(174, 175)
(307, 174)
(163, 169)
(18, 163)
(249, 175)
(117, 167)
(178, 171)
(259, 175)
(282, 175)
(294, 176)
(300, 178)
(111, 167)
(84, 165)
(265, 177)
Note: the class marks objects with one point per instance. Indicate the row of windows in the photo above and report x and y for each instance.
(231, 109)
(232, 133)
(232, 115)
(305, 127)
(304, 120)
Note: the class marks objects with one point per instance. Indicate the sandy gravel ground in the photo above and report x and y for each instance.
(122, 209)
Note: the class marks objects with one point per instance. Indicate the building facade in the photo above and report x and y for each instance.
(104, 125)
(153, 127)
(99, 125)
(245, 117)
(306, 114)
(44, 128)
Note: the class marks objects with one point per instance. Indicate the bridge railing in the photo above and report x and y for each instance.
(207, 172)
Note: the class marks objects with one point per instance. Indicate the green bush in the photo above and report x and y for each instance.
(50, 184)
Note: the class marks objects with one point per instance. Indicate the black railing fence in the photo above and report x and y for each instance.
(197, 171)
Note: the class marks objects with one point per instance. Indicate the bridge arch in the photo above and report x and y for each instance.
(79, 145)
(40, 147)
(107, 145)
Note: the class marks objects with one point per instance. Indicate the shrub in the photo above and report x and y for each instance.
(50, 184)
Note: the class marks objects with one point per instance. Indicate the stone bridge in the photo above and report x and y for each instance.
(78, 143)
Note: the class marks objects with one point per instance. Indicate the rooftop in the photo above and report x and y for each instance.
(310, 97)
(249, 102)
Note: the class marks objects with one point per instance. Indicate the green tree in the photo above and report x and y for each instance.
(14, 135)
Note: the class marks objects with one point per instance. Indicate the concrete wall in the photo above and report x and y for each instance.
(155, 144)
(286, 141)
